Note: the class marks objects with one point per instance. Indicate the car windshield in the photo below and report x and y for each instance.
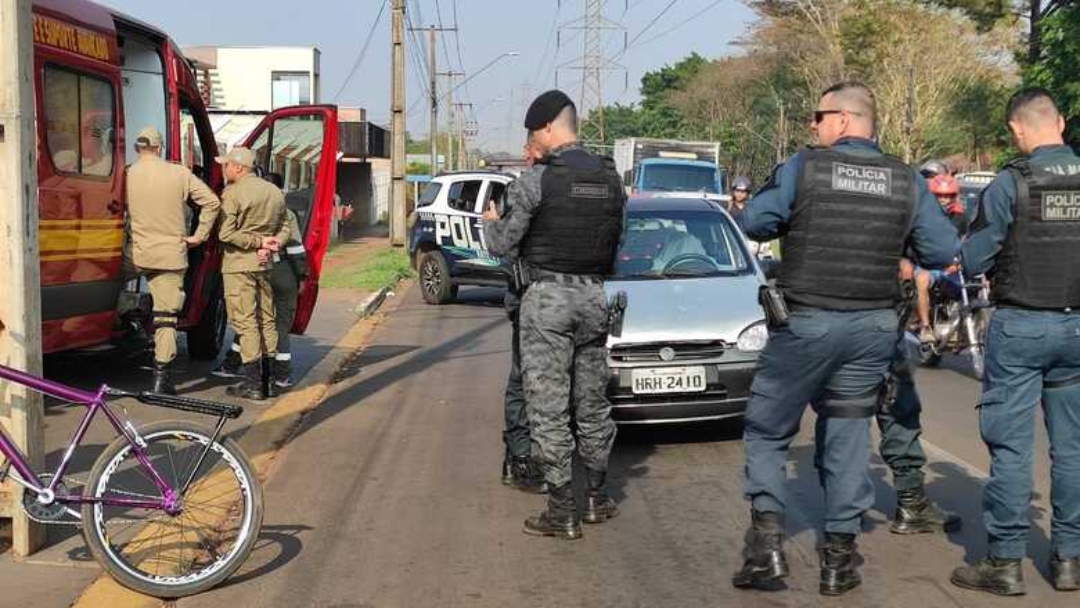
(664, 244)
(679, 178)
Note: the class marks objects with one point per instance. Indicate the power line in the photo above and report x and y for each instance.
(547, 45)
(682, 23)
(446, 48)
(653, 22)
(363, 51)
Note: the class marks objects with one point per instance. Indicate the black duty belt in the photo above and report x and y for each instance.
(546, 276)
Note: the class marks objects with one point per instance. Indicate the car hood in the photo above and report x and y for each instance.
(687, 309)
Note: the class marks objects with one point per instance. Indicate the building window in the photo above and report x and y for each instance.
(290, 89)
(80, 119)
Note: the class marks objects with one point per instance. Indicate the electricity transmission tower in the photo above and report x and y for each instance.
(592, 64)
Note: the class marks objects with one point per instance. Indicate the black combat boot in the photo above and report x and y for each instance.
(522, 472)
(763, 553)
(992, 575)
(282, 374)
(252, 386)
(599, 507)
(916, 514)
(838, 573)
(230, 366)
(163, 384)
(1065, 573)
(560, 519)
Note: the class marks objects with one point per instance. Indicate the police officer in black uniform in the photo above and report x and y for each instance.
(520, 469)
(565, 220)
(1027, 237)
(846, 212)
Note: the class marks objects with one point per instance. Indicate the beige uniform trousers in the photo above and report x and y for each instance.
(249, 300)
(167, 291)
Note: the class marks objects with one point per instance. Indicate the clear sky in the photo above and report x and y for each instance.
(662, 31)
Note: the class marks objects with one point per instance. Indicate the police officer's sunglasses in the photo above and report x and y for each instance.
(819, 115)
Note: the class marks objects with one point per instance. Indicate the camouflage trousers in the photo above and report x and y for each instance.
(564, 369)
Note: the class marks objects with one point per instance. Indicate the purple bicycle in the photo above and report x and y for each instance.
(168, 509)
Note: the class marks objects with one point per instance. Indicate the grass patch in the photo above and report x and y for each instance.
(383, 268)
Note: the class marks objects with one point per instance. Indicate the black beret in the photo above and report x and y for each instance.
(545, 108)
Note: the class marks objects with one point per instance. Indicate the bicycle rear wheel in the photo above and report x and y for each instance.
(165, 555)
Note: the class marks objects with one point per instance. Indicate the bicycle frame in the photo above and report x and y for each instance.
(94, 402)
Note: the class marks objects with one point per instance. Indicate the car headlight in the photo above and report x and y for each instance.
(753, 338)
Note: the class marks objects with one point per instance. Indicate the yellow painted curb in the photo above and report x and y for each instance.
(260, 441)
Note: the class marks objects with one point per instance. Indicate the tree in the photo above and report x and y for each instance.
(1058, 69)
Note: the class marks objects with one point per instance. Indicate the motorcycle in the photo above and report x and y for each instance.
(959, 316)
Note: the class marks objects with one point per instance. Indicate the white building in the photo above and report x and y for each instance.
(240, 85)
(256, 79)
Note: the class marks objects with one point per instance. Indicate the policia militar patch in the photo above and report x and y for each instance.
(861, 179)
(590, 190)
(1061, 206)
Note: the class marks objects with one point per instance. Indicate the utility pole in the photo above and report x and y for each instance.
(397, 127)
(463, 152)
(433, 85)
(451, 75)
(20, 265)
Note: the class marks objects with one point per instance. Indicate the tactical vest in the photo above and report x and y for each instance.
(577, 227)
(847, 231)
(1038, 266)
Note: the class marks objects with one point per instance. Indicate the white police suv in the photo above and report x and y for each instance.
(446, 238)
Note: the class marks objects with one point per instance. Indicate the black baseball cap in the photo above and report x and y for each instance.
(545, 108)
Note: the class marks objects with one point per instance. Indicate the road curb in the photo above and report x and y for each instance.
(372, 303)
(266, 435)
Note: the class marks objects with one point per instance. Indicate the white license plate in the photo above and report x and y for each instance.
(668, 380)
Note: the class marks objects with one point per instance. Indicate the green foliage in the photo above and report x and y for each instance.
(862, 31)
(1058, 68)
(655, 116)
(656, 86)
(418, 168)
(975, 124)
(985, 13)
(383, 268)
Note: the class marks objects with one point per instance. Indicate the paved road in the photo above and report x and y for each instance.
(389, 497)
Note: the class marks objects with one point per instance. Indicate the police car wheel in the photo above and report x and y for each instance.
(435, 283)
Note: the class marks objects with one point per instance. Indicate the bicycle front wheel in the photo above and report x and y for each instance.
(203, 542)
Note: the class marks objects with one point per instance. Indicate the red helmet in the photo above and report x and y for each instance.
(944, 185)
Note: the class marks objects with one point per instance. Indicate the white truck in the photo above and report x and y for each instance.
(670, 167)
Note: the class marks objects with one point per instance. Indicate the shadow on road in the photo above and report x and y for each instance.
(277, 546)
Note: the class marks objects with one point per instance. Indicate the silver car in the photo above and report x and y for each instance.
(693, 328)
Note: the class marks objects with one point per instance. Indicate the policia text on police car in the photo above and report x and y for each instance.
(564, 223)
(847, 213)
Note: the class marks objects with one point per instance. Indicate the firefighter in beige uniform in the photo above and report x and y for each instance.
(290, 269)
(253, 227)
(157, 194)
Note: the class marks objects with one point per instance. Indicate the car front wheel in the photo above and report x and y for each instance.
(435, 283)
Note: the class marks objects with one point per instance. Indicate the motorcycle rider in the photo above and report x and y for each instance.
(933, 168)
(947, 190)
(740, 195)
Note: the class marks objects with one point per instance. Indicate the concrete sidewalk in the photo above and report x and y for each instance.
(59, 573)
